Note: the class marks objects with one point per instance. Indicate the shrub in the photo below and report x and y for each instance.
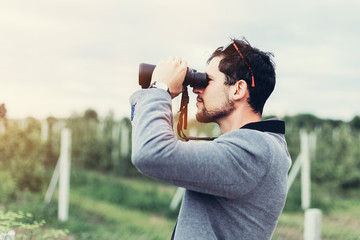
(25, 229)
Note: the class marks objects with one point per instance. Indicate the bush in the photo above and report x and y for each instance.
(21, 158)
(26, 229)
(7, 186)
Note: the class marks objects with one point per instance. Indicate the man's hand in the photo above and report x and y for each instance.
(171, 72)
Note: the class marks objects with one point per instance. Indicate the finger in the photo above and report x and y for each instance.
(161, 62)
(183, 62)
(190, 68)
(171, 59)
(183, 65)
(178, 59)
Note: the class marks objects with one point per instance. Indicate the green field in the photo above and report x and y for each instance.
(109, 207)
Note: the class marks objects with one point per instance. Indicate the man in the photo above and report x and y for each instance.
(236, 184)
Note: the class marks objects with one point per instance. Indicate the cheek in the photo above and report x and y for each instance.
(215, 92)
(211, 97)
(211, 89)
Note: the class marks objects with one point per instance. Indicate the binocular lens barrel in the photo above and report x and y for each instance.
(192, 77)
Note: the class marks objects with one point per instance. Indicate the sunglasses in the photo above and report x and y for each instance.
(237, 49)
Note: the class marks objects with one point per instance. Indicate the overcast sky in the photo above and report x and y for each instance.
(63, 57)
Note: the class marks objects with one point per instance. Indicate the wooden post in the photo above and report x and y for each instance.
(124, 141)
(312, 224)
(115, 144)
(8, 236)
(64, 178)
(305, 171)
(294, 171)
(52, 186)
(177, 198)
(44, 130)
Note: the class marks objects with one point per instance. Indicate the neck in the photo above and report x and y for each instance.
(238, 118)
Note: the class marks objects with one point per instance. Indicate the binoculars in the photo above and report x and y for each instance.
(193, 78)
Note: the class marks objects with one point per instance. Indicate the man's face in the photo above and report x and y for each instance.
(213, 102)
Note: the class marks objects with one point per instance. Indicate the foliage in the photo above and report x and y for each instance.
(340, 222)
(8, 186)
(355, 123)
(51, 148)
(124, 166)
(86, 150)
(94, 218)
(337, 157)
(2, 111)
(104, 145)
(97, 145)
(27, 230)
(20, 156)
(100, 215)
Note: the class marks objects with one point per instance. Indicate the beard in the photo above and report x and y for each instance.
(213, 115)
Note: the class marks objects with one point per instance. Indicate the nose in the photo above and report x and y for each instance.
(198, 90)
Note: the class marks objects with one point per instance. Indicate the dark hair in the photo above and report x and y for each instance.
(250, 63)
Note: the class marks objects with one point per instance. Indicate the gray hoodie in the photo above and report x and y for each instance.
(235, 185)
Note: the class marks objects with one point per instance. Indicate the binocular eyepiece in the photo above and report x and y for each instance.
(192, 77)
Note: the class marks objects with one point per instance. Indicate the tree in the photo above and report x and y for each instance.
(355, 123)
(86, 147)
(52, 145)
(2, 111)
(3, 115)
(91, 114)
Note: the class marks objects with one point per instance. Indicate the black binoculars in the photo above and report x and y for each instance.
(192, 78)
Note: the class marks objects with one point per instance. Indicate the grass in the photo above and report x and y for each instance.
(341, 223)
(146, 194)
(132, 224)
(110, 207)
(121, 208)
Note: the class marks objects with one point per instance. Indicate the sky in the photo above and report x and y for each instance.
(59, 58)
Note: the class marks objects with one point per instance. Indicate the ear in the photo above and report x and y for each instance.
(239, 90)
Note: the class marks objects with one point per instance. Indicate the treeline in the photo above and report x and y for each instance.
(336, 159)
(29, 148)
